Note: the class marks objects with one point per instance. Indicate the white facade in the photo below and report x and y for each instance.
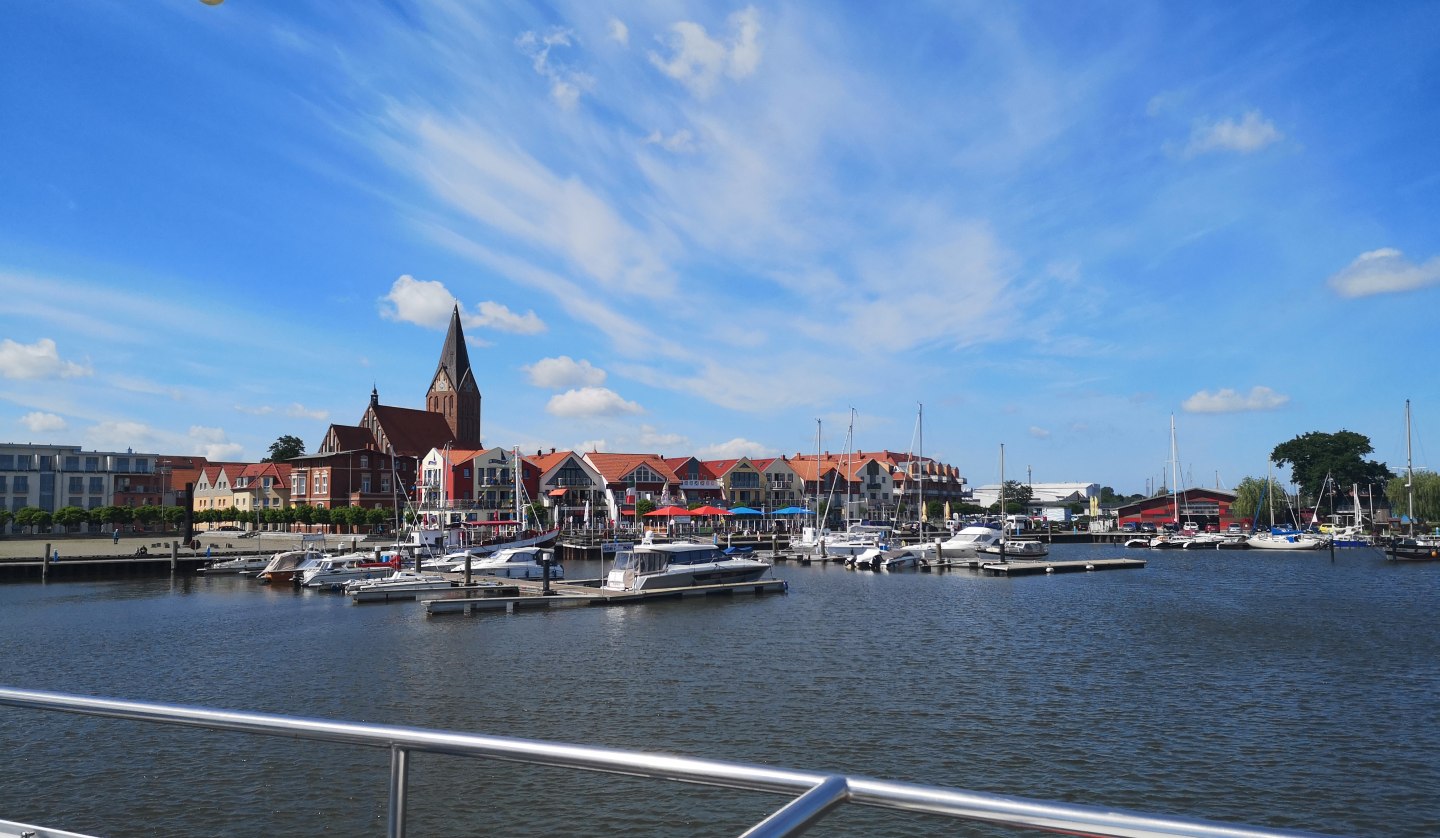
(52, 477)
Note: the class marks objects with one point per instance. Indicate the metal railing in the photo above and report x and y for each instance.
(816, 794)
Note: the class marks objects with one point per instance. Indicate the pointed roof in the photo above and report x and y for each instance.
(453, 356)
(614, 467)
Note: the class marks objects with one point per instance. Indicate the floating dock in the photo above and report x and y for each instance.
(569, 595)
(1028, 568)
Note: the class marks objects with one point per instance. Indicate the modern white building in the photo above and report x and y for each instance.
(52, 477)
(1051, 501)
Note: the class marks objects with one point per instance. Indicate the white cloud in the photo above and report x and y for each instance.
(37, 360)
(300, 411)
(619, 32)
(680, 142)
(564, 371)
(423, 303)
(698, 60)
(1252, 133)
(1232, 401)
(566, 84)
(492, 315)
(1039, 433)
(651, 439)
(1384, 271)
(430, 304)
(735, 449)
(142, 385)
(590, 401)
(262, 410)
(119, 435)
(40, 423)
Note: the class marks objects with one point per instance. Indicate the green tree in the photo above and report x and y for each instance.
(173, 515)
(1314, 455)
(1253, 501)
(304, 513)
(1017, 497)
(146, 516)
(644, 507)
(71, 517)
(934, 510)
(378, 517)
(1427, 496)
(33, 517)
(5, 516)
(321, 515)
(284, 449)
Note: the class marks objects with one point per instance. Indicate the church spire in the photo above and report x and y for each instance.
(453, 356)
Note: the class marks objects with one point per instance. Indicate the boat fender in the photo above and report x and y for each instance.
(1049, 570)
(1089, 567)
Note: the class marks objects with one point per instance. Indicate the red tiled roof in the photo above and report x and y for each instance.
(412, 433)
(614, 467)
(352, 438)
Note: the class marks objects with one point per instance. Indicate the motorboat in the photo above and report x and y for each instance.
(334, 572)
(964, 544)
(519, 563)
(856, 540)
(242, 565)
(879, 558)
(402, 584)
(1017, 548)
(452, 562)
(287, 566)
(679, 565)
(1421, 548)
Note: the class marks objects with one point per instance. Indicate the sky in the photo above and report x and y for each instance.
(715, 229)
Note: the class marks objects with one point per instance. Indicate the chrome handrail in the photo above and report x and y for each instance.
(817, 793)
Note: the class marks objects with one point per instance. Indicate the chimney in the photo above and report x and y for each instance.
(552, 450)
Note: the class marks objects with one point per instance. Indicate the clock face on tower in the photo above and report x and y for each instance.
(441, 384)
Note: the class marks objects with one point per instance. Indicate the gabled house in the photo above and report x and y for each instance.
(740, 481)
(629, 478)
(699, 482)
(261, 486)
(570, 486)
(780, 483)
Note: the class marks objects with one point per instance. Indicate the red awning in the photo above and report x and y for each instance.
(555, 493)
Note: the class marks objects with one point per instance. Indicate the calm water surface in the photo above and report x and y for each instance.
(1278, 690)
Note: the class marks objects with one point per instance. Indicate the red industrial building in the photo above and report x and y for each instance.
(1206, 507)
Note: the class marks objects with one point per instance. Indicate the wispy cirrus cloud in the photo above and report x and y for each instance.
(566, 83)
(1384, 271)
(735, 449)
(1233, 401)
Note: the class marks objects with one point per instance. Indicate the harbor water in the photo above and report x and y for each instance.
(1281, 690)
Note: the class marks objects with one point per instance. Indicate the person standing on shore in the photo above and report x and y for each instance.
(117, 535)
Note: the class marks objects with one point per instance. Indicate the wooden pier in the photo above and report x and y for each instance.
(1029, 568)
(568, 595)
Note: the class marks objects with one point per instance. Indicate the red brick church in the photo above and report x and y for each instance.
(360, 464)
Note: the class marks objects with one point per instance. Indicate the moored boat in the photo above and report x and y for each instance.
(334, 572)
(519, 563)
(652, 567)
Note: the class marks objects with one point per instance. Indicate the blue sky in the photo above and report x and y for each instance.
(684, 227)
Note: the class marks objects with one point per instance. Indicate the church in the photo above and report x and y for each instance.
(373, 462)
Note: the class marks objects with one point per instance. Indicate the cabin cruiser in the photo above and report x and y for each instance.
(964, 544)
(856, 540)
(244, 564)
(652, 567)
(289, 565)
(1017, 548)
(334, 571)
(519, 563)
(400, 582)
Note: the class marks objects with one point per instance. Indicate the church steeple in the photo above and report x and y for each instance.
(453, 390)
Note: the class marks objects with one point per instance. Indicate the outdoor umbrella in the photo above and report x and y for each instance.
(745, 510)
(708, 510)
(791, 510)
(668, 512)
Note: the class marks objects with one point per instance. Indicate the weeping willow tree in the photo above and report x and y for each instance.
(1253, 500)
(1427, 496)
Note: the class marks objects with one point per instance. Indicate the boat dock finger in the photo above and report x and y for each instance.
(573, 595)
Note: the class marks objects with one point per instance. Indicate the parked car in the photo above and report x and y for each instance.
(1147, 527)
(1129, 526)
(1234, 528)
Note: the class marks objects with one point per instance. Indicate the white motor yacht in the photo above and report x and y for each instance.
(856, 540)
(879, 558)
(402, 584)
(244, 564)
(334, 572)
(964, 544)
(518, 563)
(679, 565)
(1018, 548)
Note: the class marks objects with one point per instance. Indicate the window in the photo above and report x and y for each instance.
(7, 462)
(299, 484)
(74, 500)
(268, 482)
(72, 463)
(77, 485)
(94, 503)
(2, 484)
(365, 482)
(47, 462)
(122, 463)
(465, 472)
(384, 482)
(364, 460)
(22, 483)
(97, 485)
(92, 463)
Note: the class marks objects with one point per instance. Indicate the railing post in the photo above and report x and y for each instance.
(399, 780)
(801, 813)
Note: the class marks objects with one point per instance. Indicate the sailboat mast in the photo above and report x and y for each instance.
(817, 477)
(515, 467)
(1409, 472)
(920, 444)
(1174, 470)
(1004, 519)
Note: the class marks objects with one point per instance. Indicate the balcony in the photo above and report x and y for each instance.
(699, 484)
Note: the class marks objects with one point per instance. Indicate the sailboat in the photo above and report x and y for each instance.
(1412, 548)
(1282, 538)
(1005, 546)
